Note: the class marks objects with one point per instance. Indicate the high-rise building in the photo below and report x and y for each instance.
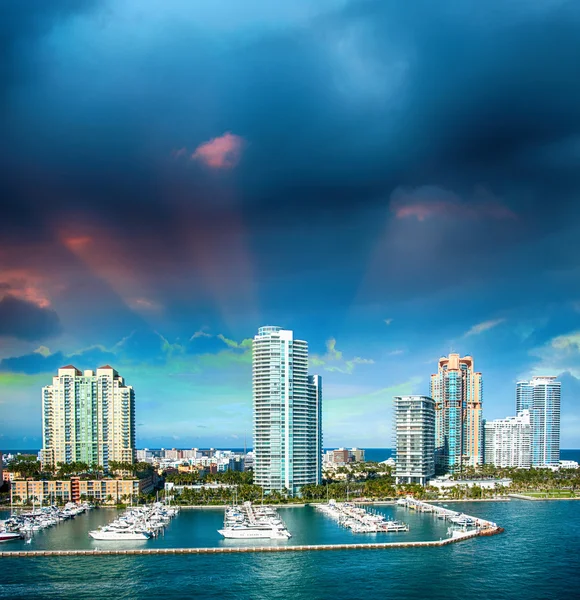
(508, 442)
(414, 438)
(542, 396)
(457, 390)
(287, 413)
(524, 396)
(88, 417)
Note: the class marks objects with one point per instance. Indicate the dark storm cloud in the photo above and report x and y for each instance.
(335, 115)
(27, 321)
(22, 23)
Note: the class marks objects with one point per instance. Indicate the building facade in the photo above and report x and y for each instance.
(545, 418)
(524, 396)
(414, 438)
(106, 491)
(88, 417)
(287, 413)
(508, 442)
(457, 390)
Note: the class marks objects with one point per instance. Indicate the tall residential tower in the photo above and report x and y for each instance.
(415, 438)
(457, 390)
(88, 417)
(541, 395)
(287, 413)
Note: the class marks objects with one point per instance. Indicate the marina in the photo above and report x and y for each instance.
(459, 521)
(249, 522)
(361, 520)
(238, 549)
(138, 523)
(199, 528)
(26, 524)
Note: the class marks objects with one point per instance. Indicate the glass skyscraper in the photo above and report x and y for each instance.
(88, 417)
(414, 438)
(542, 395)
(457, 390)
(524, 396)
(287, 413)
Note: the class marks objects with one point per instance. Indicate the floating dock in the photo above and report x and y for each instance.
(444, 513)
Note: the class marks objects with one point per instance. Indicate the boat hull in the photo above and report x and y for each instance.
(251, 534)
(111, 536)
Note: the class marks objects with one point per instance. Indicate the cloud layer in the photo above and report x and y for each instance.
(338, 166)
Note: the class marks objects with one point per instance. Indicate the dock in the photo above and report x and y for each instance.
(360, 520)
(457, 537)
(447, 514)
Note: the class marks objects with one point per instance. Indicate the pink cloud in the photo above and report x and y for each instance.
(24, 284)
(426, 202)
(144, 303)
(74, 242)
(222, 152)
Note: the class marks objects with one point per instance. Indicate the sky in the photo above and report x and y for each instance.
(392, 181)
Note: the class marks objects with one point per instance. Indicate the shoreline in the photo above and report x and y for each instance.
(500, 499)
(533, 498)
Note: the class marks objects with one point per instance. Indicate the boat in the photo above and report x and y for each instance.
(8, 536)
(252, 523)
(248, 532)
(105, 534)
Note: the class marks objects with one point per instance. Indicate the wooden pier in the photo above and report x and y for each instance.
(245, 549)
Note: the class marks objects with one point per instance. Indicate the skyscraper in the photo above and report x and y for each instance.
(88, 417)
(457, 390)
(524, 396)
(414, 438)
(508, 442)
(287, 413)
(542, 394)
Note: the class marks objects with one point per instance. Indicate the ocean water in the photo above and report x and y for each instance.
(537, 558)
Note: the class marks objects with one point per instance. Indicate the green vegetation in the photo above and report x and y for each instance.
(227, 477)
(30, 468)
(551, 494)
(26, 465)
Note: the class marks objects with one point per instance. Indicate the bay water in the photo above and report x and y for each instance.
(538, 557)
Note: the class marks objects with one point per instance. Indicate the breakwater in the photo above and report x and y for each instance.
(247, 549)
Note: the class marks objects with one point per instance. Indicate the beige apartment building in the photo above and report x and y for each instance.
(107, 491)
(89, 417)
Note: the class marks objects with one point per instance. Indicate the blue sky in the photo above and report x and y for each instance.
(391, 182)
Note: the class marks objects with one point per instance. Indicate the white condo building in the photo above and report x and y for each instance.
(89, 417)
(414, 438)
(508, 442)
(287, 413)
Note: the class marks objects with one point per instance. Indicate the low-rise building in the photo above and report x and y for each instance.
(356, 455)
(343, 456)
(445, 483)
(106, 491)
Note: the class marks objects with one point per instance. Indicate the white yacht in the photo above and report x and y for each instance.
(252, 523)
(106, 534)
(249, 532)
